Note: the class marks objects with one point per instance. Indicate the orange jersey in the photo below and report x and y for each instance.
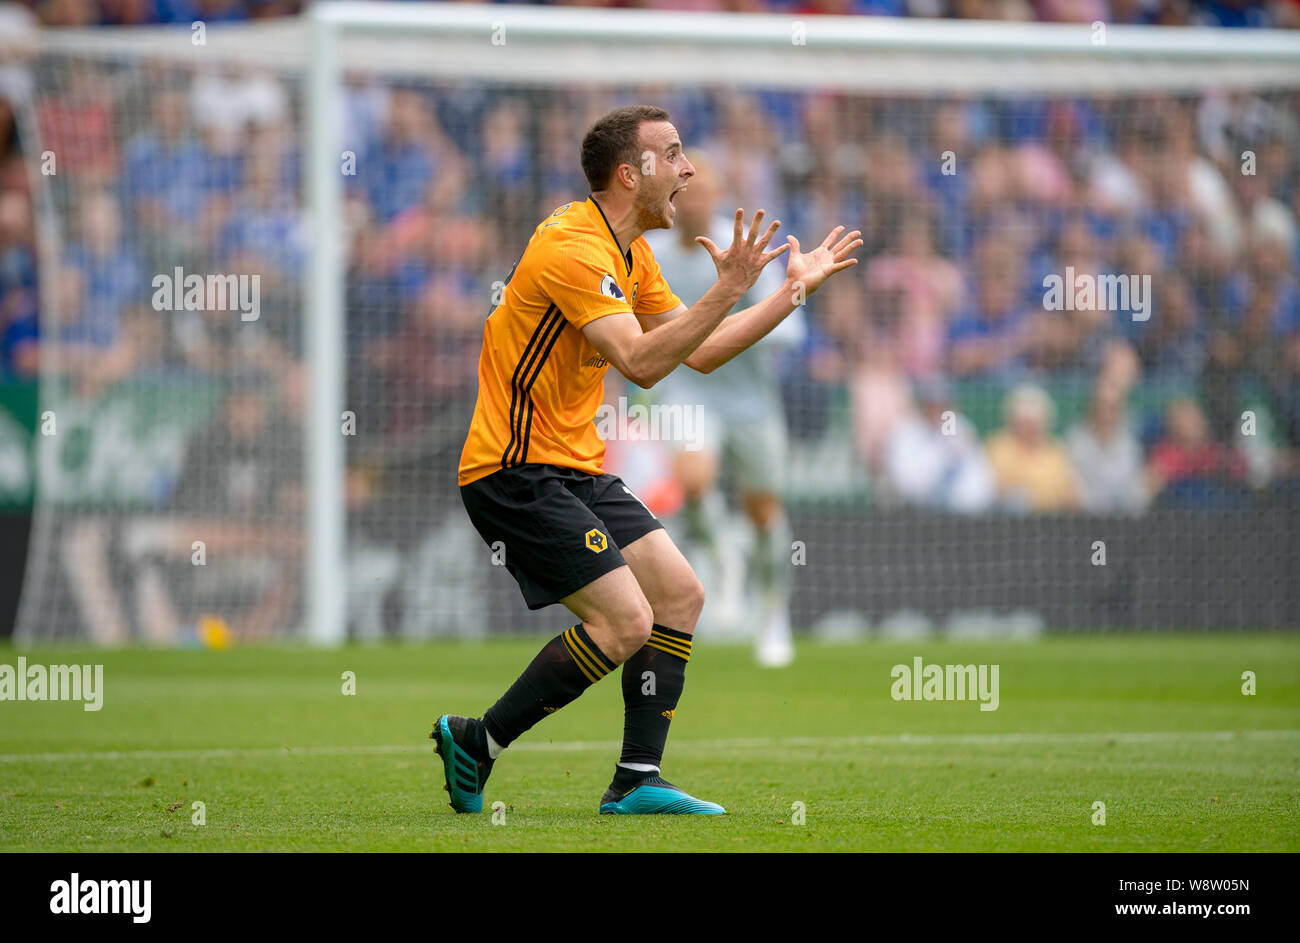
(540, 381)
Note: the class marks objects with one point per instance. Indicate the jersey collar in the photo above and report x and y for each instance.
(627, 256)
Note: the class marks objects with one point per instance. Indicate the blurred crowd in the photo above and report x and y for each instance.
(1230, 13)
(967, 207)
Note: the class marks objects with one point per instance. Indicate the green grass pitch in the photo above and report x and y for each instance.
(1158, 729)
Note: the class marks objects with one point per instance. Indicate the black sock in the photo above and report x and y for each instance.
(565, 667)
(652, 683)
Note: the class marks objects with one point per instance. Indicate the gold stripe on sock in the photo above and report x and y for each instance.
(579, 659)
(602, 666)
(672, 640)
(593, 669)
(656, 643)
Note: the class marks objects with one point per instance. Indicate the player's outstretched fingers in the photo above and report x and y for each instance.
(847, 252)
(710, 246)
(829, 240)
(850, 242)
(769, 256)
(739, 235)
(767, 236)
(753, 227)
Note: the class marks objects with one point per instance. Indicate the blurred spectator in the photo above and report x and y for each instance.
(18, 308)
(929, 287)
(1119, 176)
(866, 359)
(169, 179)
(231, 101)
(1071, 340)
(949, 135)
(994, 336)
(109, 275)
(429, 368)
(1107, 457)
(80, 127)
(1206, 190)
(233, 469)
(745, 143)
(239, 485)
(402, 162)
(264, 230)
(894, 193)
(934, 457)
(1032, 469)
(1187, 467)
(1285, 393)
(1173, 345)
(1266, 293)
(139, 348)
(507, 165)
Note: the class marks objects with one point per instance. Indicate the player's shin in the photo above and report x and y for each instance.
(774, 642)
(652, 684)
(770, 557)
(565, 667)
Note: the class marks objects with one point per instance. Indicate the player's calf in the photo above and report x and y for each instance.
(565, 667)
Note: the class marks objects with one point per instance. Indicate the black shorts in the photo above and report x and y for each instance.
(558, 528)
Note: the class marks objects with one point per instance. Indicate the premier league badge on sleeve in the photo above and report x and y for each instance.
(610, 288)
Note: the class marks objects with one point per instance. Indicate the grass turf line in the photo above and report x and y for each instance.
(229, 728)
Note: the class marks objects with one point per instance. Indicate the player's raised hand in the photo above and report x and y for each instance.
(810, 269)
(740, 265)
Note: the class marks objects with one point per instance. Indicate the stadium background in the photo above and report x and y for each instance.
(160, 167)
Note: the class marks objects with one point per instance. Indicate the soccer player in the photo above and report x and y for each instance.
(585, 294)
(742, 418)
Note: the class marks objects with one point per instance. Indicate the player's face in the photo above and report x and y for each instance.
(664, 172)
(695, 207)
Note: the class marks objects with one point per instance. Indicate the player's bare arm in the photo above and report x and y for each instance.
(646, 357)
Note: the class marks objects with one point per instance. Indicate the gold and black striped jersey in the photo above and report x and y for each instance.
(539, 379)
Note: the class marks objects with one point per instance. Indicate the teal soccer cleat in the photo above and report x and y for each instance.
(466, 774)
(654, 796)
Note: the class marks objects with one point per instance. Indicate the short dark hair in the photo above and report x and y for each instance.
(613, 140)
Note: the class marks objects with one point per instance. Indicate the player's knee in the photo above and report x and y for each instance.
(681, 610)
(692, 603)
(764, 510)
(628, 626)
(639, 625)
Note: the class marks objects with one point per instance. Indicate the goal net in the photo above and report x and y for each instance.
(1061, 390)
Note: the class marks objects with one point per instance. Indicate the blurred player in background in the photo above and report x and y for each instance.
(741, 421)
